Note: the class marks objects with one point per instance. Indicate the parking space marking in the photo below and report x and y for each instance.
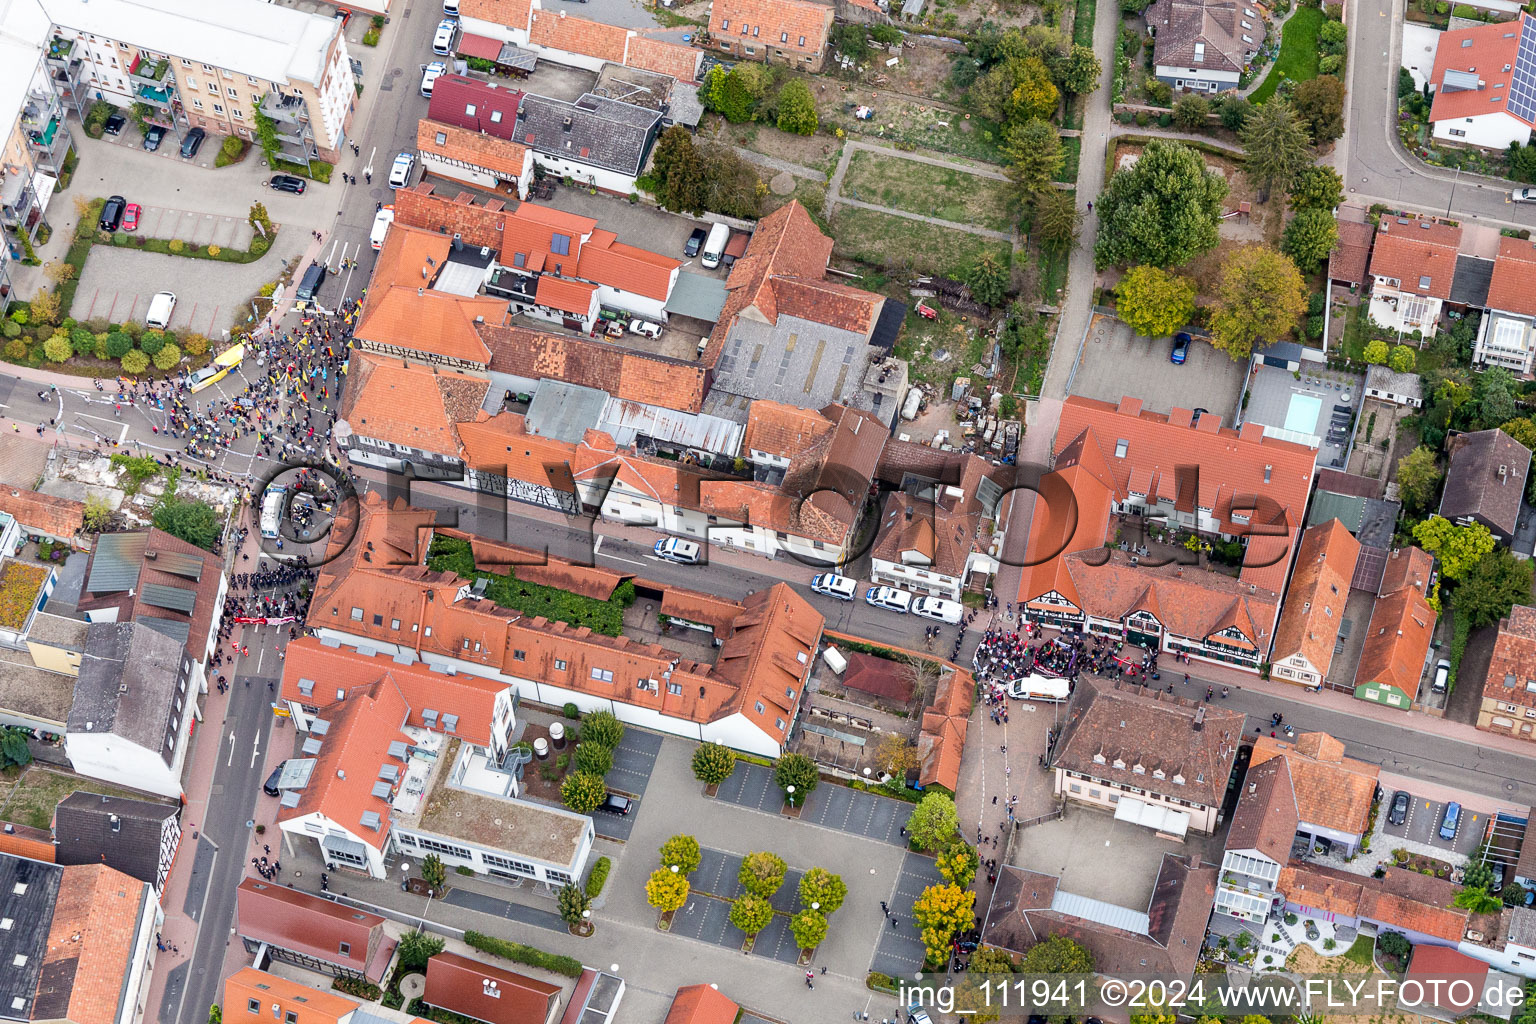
(900, 950)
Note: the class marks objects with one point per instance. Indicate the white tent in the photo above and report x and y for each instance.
(1161, 819)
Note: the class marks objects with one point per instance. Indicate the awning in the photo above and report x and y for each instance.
(351, 849)
(697, 296)
(484, 47)
(516, 57)
(43, 185)
(1157, 817)
(230, 356)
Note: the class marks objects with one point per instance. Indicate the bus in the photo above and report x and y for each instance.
(273, 502)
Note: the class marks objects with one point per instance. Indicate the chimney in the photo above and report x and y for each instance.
(565, 125)
(1198, 725)
(1503, 474)
(1253, 787)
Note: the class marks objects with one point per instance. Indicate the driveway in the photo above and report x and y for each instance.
(198, 229)
(118, 284)
(900, 951)
(1423, 828)
(633, 760)
(637, 224)
(832, 806)
(1116, 362)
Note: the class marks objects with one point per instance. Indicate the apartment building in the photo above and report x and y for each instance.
(216, 67)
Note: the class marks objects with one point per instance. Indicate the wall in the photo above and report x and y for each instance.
(920, 578)
(640, 305)
(1490, 131)
(1296, 670)
(141, 961)
(1513, 958)
(1219, 79)
(597, 177)
(113, 759)
(406, 841)
(492, 30)
(1201, 819)
(574, 60)
(316, 826)
(449, 169)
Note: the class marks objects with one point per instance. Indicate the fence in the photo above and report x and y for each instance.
(1039, 819)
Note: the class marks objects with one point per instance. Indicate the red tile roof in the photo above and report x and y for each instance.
(43, 513)
(1351, 252)
(296, 921)
(308, 1005)
(675, 59)
(506, 159)
(701, 1004)
(1512, 670)
(1460, 977)
(495, 105)
(566, 295)
(780, 24)
(1329, 789)
(786, 243)
(627, 267)
(454, 212)
(1513, 287)
(629, 375)
(511, 13)
(559, 31)
(881, 677)
(1397, 644)
(409, 404)
(487, 993)
(1314, 603)
(1419, 254)
(92, 943)
(1491, 51)
(531, 232)
(783, 430)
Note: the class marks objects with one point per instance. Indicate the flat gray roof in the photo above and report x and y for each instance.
(27, 691)
(564, 411)
(697, 296)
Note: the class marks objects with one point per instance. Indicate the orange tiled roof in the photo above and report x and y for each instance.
(1397, 644)
(25, 841)
(57, 517)
(1513, 287)
(479, 220)
(91, 942)
(627, 267)
(1314, 603)
(1319, 891)
(410, 404)
(1512, 670)
(786, 242)
(827, 302)
(559, 31)
(511, 13)
(701, 1004)
(530, 232)
(407, 249)
(1492, 54)
(502, 445)
(783, 430)
(507, 159)
(1351, 252)
(566, 295)
(1443, 922)
(434, 323)
(943, 538)
(625, 374)
(1420, 255)
(659, 55)
(1071, 513)
(781, 24)
(1407, 567)
(310, 1005)
(1331, 790)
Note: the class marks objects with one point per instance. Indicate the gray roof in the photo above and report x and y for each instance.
(29, 692)
(178, 563)
(58, 631)
(174, 598)
(648, 89)
(1205, 34)
(120, 833)
(1388, 381)
(825, 365)
(564, 411)
(697, 296)
(1469, 285)
(31, 915)
(604, 133)
(1486, 478)
(115, 562)
(1522, 927)
(176, 629)
(128, 685)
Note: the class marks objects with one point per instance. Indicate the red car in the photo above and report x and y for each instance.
(131, 217)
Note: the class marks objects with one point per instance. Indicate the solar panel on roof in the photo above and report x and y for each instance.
(115, 562)
(179, 563)
(319, 727)
(174, 598)
(296, 773)
(1522, 86)
(176, 629)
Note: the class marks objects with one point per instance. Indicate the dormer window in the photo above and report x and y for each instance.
(1139, 769)
(1158, 773)
(1099, 758)
(1119, 764)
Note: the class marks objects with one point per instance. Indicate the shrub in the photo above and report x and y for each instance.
(118, 344)
(259, 246)
(57, 348)
(359, 987)
(598, 877)
(519, 953)
(571, 711)
(713, 763)
(178, 246)
(583, 792)
(82, 341)
(603, 728)
(231, 146)
(11, 329)
(594, 758)
(134, 361)
(152, 342)
(167, 357)
(16, 350)
(194, 344)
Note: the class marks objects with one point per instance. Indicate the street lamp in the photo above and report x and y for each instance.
(791, 791)
(815, 905)
(1452, 198)
(674, 869)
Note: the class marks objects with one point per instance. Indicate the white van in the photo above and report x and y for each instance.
(160, 309)
(714, 245)
(938, 609)
(888, 598)
(451, 8)
(381, 222)
(1034, 687)
(442, 39)
(429, 76)
(833, 585)
(1442, 676)
(400, 170)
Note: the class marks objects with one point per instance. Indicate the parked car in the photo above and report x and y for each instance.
(1451, 822)
(888, 598)
(1523, 195)
(131, 214)
(613, 803)
(112, 213)
(400, 170)
(1442, 676)
(191, 144)
(1180, 348)
(443, 38)
(161, 306)
(917, 1015)
(833, 585)
(675, 549)
(1399, 812)
(695, 243)
(1499, 872)
(287, 183)
(381, 222)
(270, 786)
(114, 125)
(645, 327)
(153, 137)
(429, 76)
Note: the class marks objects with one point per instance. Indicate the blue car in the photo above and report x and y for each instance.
(1451, 821)
(1180, 348)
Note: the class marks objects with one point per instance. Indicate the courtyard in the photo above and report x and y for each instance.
(1115, 362)
(1316, 406)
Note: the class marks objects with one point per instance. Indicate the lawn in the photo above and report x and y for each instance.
(884, 240)
(1298, 52)
(29, 797)
(1072, 150)
(932, 191)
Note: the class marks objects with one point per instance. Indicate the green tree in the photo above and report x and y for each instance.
(1317, 188)
(594, 758)
(98, 514)
(1320, 106)
(1275, 145)
(1394, 944)
(1522, 429)
(195, 522)
(14, 752)
(933, 822)
(1458, 548)
(743, 90)
(583, 792)
(1494, 585)
(572, 904)
(683, 851)
(988, 960)
(118, 344)
(1057, 955)
(1477, 875)
(433, 873)
(1233, 111)
(1164, 210)
(988, 279)
(1493, 400)
(1034, 94)
(602, 727)
(1154, 302)
(799, 771)
(1309, 238)
(216, 1015)
(713, 763)
(666, 891)
(1478, 901)
(751, 914)
(134, 362)
(1034, 157)
(168, 356)
(1418, 479)
(152, 341)
(1404, 358)
(823, 888)
(416, 948)
(678, 171)
(1079, 72)
(940, 912)
(1260, 296)
(1377, 352)
(809, 928)
(1056, 220)
(957, 863)
(58, 348)
(797, 108)
(1190, 112)
(712, 91)
(82, 341)
(762, 873)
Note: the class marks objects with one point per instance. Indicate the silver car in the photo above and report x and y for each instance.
(1523, 195)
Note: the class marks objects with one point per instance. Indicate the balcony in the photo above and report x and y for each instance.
(148, 70)
(156, 97)
(59, 50)
(47, 138)
(285, 108)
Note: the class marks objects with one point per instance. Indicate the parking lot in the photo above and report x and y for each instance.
(831, 806)
(1116, 362)
(633, 760)
(194, 228)
(637, 224)
(1423, 826)
(706, 915)
(900, 950)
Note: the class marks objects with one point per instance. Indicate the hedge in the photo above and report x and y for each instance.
(598, 876)
(521, 954)
(450, 554)
(315, 170)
